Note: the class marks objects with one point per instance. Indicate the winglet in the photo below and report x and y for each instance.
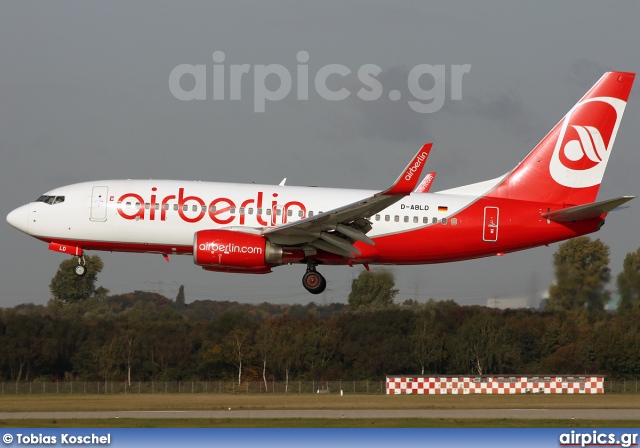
(426, 183)
(408, 180)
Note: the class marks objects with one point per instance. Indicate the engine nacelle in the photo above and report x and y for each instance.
(234, 250)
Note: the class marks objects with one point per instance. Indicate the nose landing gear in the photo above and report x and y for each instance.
(81, 269)
(312, 280)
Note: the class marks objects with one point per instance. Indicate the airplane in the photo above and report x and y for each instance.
(251, 229)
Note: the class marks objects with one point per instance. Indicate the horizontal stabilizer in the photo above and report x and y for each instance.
(586, 211)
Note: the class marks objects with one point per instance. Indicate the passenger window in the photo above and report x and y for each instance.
(415, 219)
(185, 208)
(310, 214)
(156, 206)
(278, 211)
(251, 210)
(268, 211)
(146, 206)
(232, 210)
(259, 212)
(406, 219)
(454, 221)
(166, 206)
(434, 220)
(300, 213)
(425, 220)
(387, 217)
(194, 208)
(444, 221)
(377, 217)
(128, 205)
(241, 210)
(289, 212)
(138, 205)
(212, 209)
(175, 207)
(396, 218)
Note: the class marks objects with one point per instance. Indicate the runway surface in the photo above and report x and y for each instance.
(554, 414)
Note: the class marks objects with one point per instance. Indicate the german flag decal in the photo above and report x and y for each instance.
(442, 209)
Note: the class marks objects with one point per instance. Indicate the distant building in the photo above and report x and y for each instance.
(614, 302)
(532, 301)
(508, 302)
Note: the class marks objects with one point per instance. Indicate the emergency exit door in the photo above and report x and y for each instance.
(490, 227)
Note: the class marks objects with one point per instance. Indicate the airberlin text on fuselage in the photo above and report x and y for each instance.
(219, 210)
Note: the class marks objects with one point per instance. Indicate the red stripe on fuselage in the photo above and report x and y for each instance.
(111, 246)
(520, 227)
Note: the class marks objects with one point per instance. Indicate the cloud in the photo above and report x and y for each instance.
(507, 109)
(393, 120)
(382, 118)
(582, 75)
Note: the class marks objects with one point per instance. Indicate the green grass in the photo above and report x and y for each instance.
(171, 402)
(174, 402)
(316, 423)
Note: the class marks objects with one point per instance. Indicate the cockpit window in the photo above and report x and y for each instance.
(50, 199)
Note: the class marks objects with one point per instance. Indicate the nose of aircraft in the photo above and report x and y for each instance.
(19, 218)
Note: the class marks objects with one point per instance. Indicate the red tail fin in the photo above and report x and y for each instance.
(568, 164)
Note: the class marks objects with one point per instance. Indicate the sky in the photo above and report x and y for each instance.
(86, 94)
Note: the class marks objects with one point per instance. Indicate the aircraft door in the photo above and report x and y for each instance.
(99, 204)
(490, 226)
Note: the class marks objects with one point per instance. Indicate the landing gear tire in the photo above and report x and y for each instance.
(314, 282)
(80, 270)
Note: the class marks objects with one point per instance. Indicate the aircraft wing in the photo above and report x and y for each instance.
(586, 211)
(336, 230)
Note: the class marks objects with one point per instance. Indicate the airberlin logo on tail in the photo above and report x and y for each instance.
(416, 166)
(589, 145)
(584, 142)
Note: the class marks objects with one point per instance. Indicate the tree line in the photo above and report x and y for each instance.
(85, 334)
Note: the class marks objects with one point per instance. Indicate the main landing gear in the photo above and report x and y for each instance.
(81, 269)
(312, 280)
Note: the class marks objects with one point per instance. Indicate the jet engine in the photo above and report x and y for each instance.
(234, 251)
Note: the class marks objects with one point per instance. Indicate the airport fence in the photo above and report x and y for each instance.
(366, 387)
(370, 387)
